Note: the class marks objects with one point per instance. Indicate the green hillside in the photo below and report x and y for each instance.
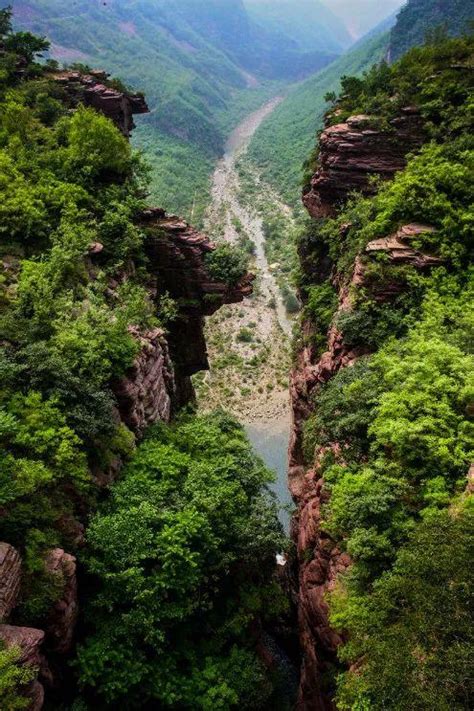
(283, 142)
(422, 16)
(202, 65)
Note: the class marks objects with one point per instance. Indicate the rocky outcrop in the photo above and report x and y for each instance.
(398, 249)
(27, 641)
(177, 257)
(58, 633)
(177, 254)
(147, 393)
(351, 153)
(95, 90)
(62, 617)
(159, 382)
(10, 579)
(320, 562)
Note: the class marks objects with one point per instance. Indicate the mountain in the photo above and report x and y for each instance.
(360, 16)
(201, 63)
(309, 23)
(102, 306)
(420, 16)
(283, 142)
(380, 465)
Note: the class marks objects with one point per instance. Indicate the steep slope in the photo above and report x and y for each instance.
(308, 23)
(383, 440)
(283, 142)
(360, 16)
(191, 58)
(421, 16)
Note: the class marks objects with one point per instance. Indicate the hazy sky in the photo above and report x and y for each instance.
(361, 15)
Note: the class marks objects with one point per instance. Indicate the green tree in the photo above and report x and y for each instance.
(172, 620)
(414, 632)
(13, 679)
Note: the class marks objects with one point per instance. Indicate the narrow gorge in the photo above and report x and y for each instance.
(237, 447)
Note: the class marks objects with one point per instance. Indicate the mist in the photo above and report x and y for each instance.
(360, 16)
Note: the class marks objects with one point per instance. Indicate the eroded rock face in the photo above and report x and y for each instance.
(90, 90)
(352, 152)
(398, 249)
(147, 393)
(10, 579)
(63, 616)
(320, 562)
(28, 641)
(177, 252)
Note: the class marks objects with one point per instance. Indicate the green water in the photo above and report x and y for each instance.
(270, 441)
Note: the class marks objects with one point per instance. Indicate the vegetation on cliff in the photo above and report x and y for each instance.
(69, 181)
(401, 417)
(188, 538)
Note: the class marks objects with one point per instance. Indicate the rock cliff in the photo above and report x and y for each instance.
(354, 152)
(176, 253)
(350, 153)
(96, 90)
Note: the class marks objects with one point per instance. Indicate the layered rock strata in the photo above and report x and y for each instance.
(353, 153)
(10, 579)
(61, 623)
(350, 154)
(147, 392)
(177, 257)
(27, 641)
(58, 634)
(94, 90)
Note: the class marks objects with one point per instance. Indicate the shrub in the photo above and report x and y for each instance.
(226, 264)
(245, 335)
(13, 679)
(170, 622)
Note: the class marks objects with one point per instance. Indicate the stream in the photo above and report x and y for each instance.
(269, 434)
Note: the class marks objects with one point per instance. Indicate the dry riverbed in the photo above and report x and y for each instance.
(248, 343)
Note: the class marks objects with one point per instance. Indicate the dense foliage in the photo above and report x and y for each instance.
(227, 264)
(180, 557)
(184, 551)
(69, 180)
(419, 18)
(402, 416)
(194, 60)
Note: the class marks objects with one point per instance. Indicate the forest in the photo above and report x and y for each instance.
(398, 500)
(148, 559)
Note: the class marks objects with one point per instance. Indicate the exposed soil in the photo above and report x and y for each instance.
(248, 343)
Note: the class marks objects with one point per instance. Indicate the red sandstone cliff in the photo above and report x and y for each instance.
(350, 153)
(95, 90)
(153, 389)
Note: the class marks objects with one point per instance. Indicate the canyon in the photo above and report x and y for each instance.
(153, 390)
(155, 371)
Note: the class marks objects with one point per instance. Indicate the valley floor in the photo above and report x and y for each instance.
(249, 342)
